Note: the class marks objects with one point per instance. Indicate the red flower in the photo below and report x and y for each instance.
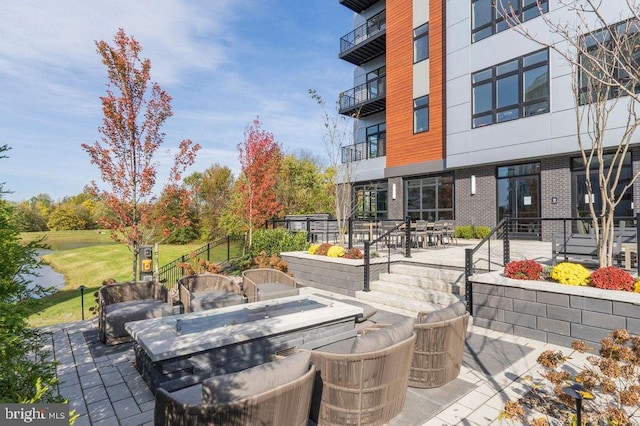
(523, 270)
(612, 278)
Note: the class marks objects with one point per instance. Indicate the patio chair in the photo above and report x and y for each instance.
(363, 381)
(120, 303)
(274, 393)
(265, 284)
(208, 291)
(449, 232)
(439, 346)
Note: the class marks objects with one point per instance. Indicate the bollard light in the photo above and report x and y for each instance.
(81, 288)
(578, 392)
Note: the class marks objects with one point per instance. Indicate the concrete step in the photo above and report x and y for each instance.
(449, 276)
(404, 305)
(439, 297)
(422, 282)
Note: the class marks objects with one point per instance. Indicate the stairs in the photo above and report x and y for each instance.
(414, 288)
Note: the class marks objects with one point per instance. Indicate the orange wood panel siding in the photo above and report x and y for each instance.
(403, 146)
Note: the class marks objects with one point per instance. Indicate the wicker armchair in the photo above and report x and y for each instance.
(120, 303)
(208, 291)
(438, 353)
(366, 388)
(279, 404)
(264, 284)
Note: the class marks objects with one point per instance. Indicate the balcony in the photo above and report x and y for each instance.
(365, 99)
(358, 5)
(365, 42)
(364, 151)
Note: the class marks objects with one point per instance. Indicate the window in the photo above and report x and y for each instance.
(430, 198)
(376, 138)
(489, 17)
(612, 54)
(421, 114)
(514, 89)
(421, 43)
(370, 200)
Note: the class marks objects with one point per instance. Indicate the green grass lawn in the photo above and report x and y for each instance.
(88, 258)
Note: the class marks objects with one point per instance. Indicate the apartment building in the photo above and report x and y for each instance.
(461, 117)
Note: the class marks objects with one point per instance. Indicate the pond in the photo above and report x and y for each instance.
(47, 276)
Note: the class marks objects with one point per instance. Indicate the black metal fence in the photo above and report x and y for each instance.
(170, 273)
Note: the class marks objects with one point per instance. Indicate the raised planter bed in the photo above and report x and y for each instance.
(552, 312)
(337, 275)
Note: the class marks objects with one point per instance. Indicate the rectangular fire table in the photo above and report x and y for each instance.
(233, 338)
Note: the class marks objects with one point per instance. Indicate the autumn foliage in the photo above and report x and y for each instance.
(260, 157)
(134, 111)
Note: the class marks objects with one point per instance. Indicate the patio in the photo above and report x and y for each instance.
(104, 387)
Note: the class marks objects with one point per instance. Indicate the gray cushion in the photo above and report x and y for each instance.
(341, 347)
(255, 380)
(135, 310)
(267, 291)
(191, 395)
(456, 310)
(211, 299)
(383, 338)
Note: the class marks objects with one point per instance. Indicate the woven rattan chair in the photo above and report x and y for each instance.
(264, 284)
(120, 303)
(286, 404)
(208, 291)
(361, 388)
(438, 353)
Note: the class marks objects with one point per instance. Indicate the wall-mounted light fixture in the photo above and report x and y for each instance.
(393, 191)
(473, 184)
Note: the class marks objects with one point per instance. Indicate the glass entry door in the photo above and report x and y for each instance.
(519, 197)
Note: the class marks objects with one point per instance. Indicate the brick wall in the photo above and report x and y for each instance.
(551, 312)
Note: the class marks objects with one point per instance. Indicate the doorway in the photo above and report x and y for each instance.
(518, 196)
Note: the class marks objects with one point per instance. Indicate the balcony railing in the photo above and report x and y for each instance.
(364, 151)
(364, 99)
(358, 5)
(365, 42)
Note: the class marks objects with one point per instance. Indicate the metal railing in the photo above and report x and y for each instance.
(371, 90)
(363, 151)
(364, 32)
(170, 273)
(385, 236)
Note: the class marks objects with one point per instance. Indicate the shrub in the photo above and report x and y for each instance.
(612, 278)
(353, 253)
(570, 273)
(313, 249)
(468, 232)
(336, 251)
(273, 261)
(324, 249)
(523, 270)
(276, 241)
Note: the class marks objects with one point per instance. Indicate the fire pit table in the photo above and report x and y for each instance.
(234, 338)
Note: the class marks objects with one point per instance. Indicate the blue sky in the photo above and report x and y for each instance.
(224, 62)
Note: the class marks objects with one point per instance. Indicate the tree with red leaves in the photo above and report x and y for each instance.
(134, 110)
(260, 158)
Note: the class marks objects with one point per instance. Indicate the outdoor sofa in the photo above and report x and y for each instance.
(363, 380)
(120, 303)
(439, 348)
(275, 393)
(208, 291)
(265, 284)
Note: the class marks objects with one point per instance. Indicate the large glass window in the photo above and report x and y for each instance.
(370, 200)
(430, 198)
(376, 140)
(421, 114)
(581, 198)
(489, 17)
(514, 89)
(612, 54)
(421, 43)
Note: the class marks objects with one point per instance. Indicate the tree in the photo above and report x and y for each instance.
(338, 134)
(604, 57)
(302, 186)
(213, 190)
(133, 116)
(260, 157)
(26, 374)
